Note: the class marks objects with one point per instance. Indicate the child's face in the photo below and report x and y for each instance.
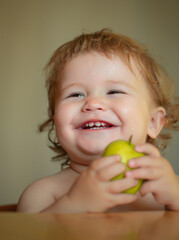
(100, 100)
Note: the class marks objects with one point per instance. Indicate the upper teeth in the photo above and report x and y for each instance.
(97, 124)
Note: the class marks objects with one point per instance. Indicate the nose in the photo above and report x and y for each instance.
(94, 104)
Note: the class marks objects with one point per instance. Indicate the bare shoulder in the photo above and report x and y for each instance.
(45, 191)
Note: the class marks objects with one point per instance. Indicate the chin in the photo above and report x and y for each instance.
(96, 151)
(83, 158)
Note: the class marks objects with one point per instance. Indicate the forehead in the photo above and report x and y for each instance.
(96, 65)
(92, 62)
(96, 69)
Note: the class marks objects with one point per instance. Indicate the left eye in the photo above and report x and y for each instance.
(115, 92)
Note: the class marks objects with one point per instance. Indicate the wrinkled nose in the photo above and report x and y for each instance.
(94, 104)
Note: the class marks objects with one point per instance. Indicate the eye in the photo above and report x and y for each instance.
(115, 92)
(76, 95)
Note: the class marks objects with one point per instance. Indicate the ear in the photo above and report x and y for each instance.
(157, 121)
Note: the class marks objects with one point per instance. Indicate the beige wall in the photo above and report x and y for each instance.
(30, 30)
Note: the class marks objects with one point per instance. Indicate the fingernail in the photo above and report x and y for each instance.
(117, 157)
(128, 174)
(138, 148)
(132, 163)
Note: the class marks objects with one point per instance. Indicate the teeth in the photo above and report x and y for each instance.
(95, 125)
(91, 124)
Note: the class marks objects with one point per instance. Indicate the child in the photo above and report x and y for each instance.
(103, 87)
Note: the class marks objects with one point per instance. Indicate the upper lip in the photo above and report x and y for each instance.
(95, 123)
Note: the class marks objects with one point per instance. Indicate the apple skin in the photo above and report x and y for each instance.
(126, 151)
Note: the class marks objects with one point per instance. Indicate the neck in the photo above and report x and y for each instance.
(78, 168)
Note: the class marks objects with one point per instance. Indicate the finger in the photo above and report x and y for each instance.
(121, 185)
(104, 162)
(145, 161)
(148, 186)
(145, 173)
(148, 149)
(111, 170)
(123, 198)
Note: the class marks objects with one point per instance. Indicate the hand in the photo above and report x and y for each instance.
(94, 192)
(159, 175)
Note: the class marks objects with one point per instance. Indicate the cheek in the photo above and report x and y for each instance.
(60, 118)
(133, 111)
(63, 118)
(123, 109)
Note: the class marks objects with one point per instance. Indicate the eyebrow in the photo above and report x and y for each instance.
(118, 82)
(71, 85)
(113, 81)
(83, 85)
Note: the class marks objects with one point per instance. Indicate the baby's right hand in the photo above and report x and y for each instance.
(94, 192)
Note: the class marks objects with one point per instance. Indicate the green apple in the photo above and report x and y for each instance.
(126, 150)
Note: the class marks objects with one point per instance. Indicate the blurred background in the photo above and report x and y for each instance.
(30, 31)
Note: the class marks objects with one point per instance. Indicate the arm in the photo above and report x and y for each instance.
(160, 178)
(94, 192)
(91, 192)
(36, 197)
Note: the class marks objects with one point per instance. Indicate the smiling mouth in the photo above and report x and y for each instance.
(95, 125)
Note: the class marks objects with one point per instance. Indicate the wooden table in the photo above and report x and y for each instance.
(106, 226)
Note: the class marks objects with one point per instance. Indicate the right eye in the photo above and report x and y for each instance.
(76, 95)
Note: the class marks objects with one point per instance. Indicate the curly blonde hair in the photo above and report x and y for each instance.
(109, 43)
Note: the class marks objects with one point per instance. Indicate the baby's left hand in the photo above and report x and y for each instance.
(159, 175)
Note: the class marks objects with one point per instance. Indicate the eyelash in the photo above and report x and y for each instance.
(116, 92)
(81, 95)
(75, 95)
